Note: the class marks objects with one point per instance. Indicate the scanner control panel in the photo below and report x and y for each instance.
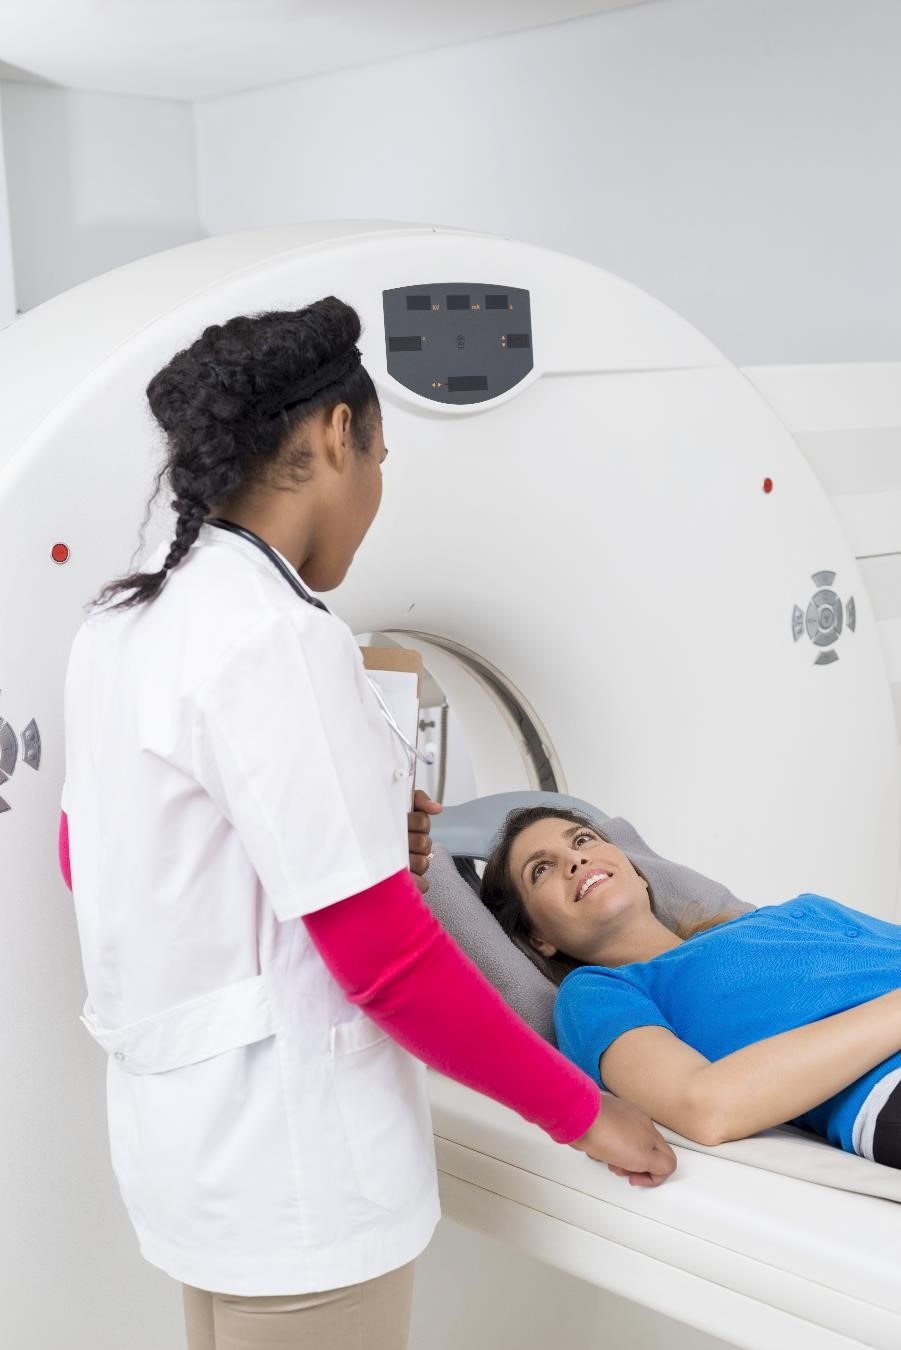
(458, 342)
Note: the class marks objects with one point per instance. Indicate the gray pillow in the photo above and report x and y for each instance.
(679, 893)
(459, 910)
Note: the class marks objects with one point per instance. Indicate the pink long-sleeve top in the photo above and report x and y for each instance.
(391, 957)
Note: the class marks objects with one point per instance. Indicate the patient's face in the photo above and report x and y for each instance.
(574, 886)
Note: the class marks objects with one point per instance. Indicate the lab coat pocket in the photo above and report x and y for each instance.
(235, 1015)
(382, 1098)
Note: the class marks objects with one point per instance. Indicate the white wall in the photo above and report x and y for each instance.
(7, 277)
(94, 181)
(738, 160)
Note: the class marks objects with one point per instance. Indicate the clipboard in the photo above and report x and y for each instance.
(398, 673)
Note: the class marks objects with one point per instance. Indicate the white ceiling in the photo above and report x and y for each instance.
(192, 49)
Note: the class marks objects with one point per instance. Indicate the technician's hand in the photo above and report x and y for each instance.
(420, 840)
(629, 1142)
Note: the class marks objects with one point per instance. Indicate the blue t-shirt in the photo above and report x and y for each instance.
(770, 970)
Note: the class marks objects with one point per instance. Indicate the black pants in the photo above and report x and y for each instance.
(887, 1134)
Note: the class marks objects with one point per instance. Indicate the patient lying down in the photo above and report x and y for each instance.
(788, 1013)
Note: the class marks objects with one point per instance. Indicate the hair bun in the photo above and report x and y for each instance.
(225, 404)
(237, 369)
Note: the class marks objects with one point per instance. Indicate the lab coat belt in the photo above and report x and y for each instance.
(224, 1019)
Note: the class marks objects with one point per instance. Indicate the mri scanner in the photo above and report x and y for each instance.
(623, 574)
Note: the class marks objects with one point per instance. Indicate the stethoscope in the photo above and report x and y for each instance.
(299, 589)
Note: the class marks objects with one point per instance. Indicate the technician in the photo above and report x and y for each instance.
(261, 968)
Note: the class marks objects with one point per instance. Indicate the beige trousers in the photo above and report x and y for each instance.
(374, 1315)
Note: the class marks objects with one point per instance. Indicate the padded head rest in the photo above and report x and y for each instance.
(468, 830)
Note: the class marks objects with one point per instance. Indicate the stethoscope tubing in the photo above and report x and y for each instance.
(273, 557)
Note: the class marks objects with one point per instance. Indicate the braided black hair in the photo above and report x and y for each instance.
(231, 405)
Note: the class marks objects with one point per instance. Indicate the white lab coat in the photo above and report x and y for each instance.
(228, 769)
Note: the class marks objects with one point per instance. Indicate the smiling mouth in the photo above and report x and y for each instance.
(590, 883)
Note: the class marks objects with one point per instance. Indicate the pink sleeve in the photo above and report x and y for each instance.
(393, 959)
(62, 848)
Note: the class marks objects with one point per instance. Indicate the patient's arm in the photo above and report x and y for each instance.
(752, 1089)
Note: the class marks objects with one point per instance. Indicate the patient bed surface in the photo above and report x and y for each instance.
(779, 1240)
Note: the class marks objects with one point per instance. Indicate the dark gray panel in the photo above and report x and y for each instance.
(458, 341)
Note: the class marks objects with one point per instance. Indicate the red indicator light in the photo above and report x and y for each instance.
(60, 553)
(767, 484)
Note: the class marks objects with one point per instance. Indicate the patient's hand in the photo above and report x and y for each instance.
(418, 834)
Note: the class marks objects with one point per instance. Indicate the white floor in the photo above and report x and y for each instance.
(472, 1293)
